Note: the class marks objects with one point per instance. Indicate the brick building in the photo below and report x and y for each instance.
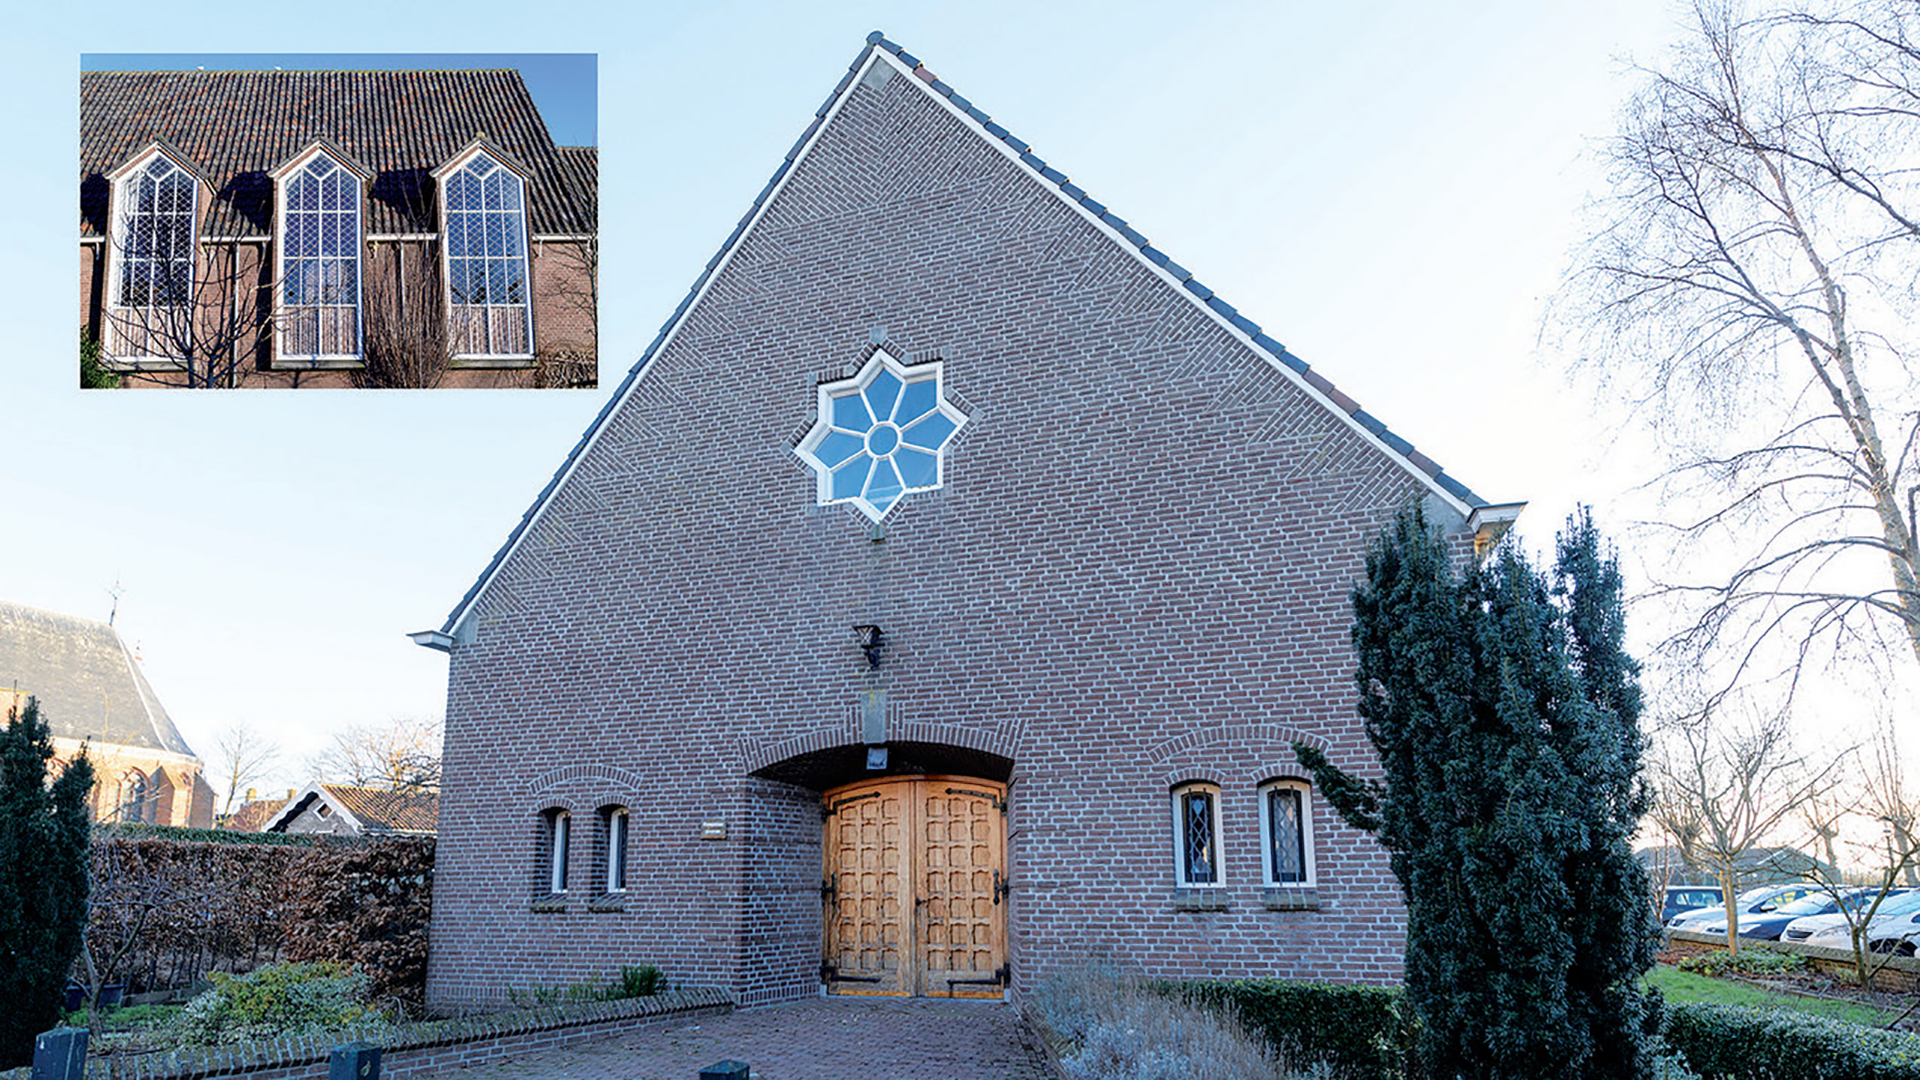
(348, 810)
(292, 228)
(93, 694)
(934, 603)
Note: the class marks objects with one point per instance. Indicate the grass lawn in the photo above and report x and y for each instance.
(1680, 985)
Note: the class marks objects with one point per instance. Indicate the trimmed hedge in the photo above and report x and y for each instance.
(1365, 1032)
(1735, 1042)
(138, 831)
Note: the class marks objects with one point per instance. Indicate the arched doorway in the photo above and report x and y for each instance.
(915, 887)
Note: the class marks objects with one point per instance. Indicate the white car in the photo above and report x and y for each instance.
(1752, 902)
(1898, 902)
(1890, 931)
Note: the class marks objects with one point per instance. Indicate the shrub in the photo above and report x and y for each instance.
(634, 982)
(1364, 1032)
(1118, 1029)
(1751, 962)
(278, 1001)
(1734, 1042)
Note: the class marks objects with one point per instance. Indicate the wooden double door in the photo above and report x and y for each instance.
(915, 887)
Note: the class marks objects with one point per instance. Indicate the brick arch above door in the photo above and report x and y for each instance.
(760, 754)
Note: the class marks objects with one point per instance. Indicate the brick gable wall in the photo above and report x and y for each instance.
(1136, 574)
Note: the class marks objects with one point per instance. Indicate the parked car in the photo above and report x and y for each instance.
(1767, 926)
(1898, 902)
(1681, 898)
(1889, 932)
(1758, 901)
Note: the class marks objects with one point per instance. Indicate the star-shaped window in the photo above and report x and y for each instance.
(880, 434)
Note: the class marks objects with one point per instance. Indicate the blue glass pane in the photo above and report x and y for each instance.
(837, 447)
(497, 290)
(516, 281)
(456, 236)
(481, 165)
(294, 282)
(459, 194)
(917, 400)
(300, 195)
(158, 166)
(884, 486)
(140, 195)
(930, 432)
(918, 468)
(851, 413)
(182, 191)
(329, 234)
(492, 189)
(509, 191)
(330, 194)
(848, 479)
(1288, 837)
(882, 392)
(510, 234)
(457, 280)
(319, 166)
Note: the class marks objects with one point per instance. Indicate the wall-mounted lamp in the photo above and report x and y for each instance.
(871, 643)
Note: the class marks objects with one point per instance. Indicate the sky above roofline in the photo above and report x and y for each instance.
(565, 86)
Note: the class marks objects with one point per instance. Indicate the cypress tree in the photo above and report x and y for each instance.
(1505, 713)
(43, 880)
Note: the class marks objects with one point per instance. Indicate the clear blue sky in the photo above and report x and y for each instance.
(1390, 188)
(564, 85)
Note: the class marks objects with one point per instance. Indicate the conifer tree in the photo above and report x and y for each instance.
(1505, 712)
(43, 880)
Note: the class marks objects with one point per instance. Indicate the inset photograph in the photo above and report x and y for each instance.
(349, 221)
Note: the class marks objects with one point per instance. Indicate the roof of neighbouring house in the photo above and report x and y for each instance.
(234, 126)
(87, 681)
(253, 816)
(373, 811)
(1397, 447)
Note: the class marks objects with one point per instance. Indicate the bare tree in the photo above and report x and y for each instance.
(1723, 788)
(402, 753)
(206, 317)
(245, 758)
(407, 344)
(1749, 292)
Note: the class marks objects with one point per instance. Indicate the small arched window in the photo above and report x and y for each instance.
(1196, 836)
(616, 861)
(1286, 833)
(559, 825)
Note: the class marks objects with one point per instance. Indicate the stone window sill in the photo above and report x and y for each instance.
(607, 903)
(545, 904)
(1200, 900)
(1290, 898)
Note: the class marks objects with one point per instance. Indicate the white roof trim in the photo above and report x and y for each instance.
(876, 54)
(292, 807)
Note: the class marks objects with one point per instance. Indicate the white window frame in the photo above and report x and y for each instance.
(560, 824)
(459, 164)
(1269, 872)
(618, 828)
(128, 322)
(282, 329)
(1178, 806)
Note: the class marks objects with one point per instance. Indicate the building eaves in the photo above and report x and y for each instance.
(1422, 465)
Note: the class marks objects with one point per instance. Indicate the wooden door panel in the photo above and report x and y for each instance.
(916, 904)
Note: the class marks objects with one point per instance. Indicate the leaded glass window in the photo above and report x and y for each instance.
(320, 262)
(1196, 832)
(155, 246)
(486, 242)
(881, 434)
(1286, 833)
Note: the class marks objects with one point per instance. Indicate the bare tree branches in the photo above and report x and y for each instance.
(245, 757)
(1721, 789)
(1749, 293)
(400, 754)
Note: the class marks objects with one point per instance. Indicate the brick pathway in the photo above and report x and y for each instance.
(822, 1039)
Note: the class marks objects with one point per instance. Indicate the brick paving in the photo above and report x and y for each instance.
(823, 1039)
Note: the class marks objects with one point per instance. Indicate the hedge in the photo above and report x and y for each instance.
(1735, 1042)
(138, 831)
(1365, 1032)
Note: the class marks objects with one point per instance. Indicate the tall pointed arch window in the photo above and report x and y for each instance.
(320, 256)
(154, 243)
(488, 289)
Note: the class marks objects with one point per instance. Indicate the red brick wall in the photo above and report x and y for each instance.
(1137, 573)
